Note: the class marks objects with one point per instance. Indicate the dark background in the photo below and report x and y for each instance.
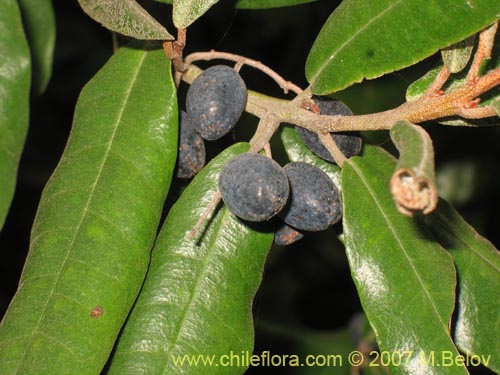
(307, 287)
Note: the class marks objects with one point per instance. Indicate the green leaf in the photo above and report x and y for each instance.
(477, 331)
(457, 56)
(40, 26)
(188, 11)
(96, 221)
(298, 151)
(198, 293)
(419, 87)
(413, 184)
(15, 70)
(126, 17)
(406, 283)
(263, 4)
(368, 39)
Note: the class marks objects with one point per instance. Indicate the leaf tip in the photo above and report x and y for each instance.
(412, 193)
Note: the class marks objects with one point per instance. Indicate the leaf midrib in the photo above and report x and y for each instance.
(196, 288)
(85, 209)
(400, 243)
(349, 40)
(445, 225)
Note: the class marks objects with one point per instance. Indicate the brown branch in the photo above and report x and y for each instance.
(332, 148)
(484, 48)
(478, 113)
(268, 151)
(268, 125)
(209, 210)
(426, 108)
(240, 61)
(435, 88)
(487, 82)
(173, 50)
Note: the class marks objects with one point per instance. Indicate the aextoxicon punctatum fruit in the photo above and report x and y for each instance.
(253, 187)
(314, 202)
(215, 101)
(286, 235)
(349, 144)
(191, 156)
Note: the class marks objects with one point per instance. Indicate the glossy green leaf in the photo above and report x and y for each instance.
(457, 56)
(188, 11)
(263, 4)
(96, 221)
(413, 184)
(419, 87)
(368, 39)
(406, 282)
(477, 331)
(40, 26)
(198, 293)
(298, 151)
(14, 99)
(126, 17)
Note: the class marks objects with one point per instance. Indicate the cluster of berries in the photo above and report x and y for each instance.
(214, 104)
(254, 187)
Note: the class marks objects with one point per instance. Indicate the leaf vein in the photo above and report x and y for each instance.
(349, 40)
(401, 245)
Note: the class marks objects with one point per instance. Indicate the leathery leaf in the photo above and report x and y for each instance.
(96, 221)
(14, 99)
(126, 17)
(185, 12)
(457, 56)
(367, 39)
(477, 330)
(40, 26)
(406, 282)
(197, 296)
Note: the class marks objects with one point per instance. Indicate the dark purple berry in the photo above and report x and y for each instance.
(286, 235)
(215, 101)
(349, 144)
(191, 157)
(314, 202)
(253, 187)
